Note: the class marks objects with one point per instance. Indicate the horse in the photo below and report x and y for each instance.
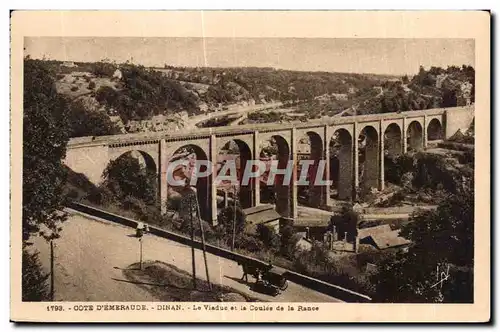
(249, 269)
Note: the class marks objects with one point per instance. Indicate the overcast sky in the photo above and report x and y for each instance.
(379, 56)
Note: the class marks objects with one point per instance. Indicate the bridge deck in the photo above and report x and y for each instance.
(249, 128)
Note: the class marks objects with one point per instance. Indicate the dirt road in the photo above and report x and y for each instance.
(91, 256)
(241, 110)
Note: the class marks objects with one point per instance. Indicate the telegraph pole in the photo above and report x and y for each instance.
(203, 242)
(140, 255)
(52, 270)
(234, 220)
(192, 242)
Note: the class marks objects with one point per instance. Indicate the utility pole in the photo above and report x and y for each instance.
(234, 220)
(192, 242)
(203, 242)
(140, 254)
(52, 270)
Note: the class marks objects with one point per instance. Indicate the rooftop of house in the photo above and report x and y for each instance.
(364, 232)
(261, 214)
(389, 240)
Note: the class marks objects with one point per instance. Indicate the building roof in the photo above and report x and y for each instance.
(304, 244)
(364, 232)
(317, 221)
(261, 214)
(263, 217)
(258, 208)
(389, 240)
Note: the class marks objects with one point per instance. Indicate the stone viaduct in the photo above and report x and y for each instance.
(355, 140)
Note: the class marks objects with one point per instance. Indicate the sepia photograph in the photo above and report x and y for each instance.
(247, 175)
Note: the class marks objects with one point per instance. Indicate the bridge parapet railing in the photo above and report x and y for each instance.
(248, 128)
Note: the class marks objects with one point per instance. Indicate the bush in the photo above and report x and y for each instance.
(103, 69)
(208, 231)
(249, 243)
(312, 261)
(125, 177)
(135, 205)
(395, 167)
(288, 240)
(225, 225)
(346, 222)
(106, 95)
(268, 236)
(72, 194)
(100, 196)
(152, 215)
(433, 172)
(91, 85)
(74, 88)
(86, 123)
(34, 283)
(467, 158)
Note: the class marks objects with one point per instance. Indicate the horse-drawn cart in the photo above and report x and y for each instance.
(271, 280)
(276, 277)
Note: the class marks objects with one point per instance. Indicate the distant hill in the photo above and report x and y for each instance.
(433, 88)
(131, 92)
(197, 90)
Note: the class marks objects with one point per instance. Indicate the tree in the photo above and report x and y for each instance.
(397, 166)
(434, 172)
(87, 123)
(442, 238)
(106, 95)
(125, 176)
(103, 69)
(449, 98)
(268, 236)
(346, 222)
(384, 107)
(288, 240)
(45, 136)
(448, 230)
(231, 220)
(34, 283)
(405, 106)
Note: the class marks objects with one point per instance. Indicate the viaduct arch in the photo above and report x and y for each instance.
(278, 151)
(238, 152)
(435, 130)
(313, 150)
(341, 147)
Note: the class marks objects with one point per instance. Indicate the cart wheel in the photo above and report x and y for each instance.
(285, 285)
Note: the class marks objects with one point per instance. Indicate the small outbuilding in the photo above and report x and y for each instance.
(262, 214)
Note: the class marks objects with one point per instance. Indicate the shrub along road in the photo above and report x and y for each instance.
(91, 254)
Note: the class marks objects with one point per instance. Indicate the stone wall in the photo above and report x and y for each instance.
(458, 118)
(89, 160)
